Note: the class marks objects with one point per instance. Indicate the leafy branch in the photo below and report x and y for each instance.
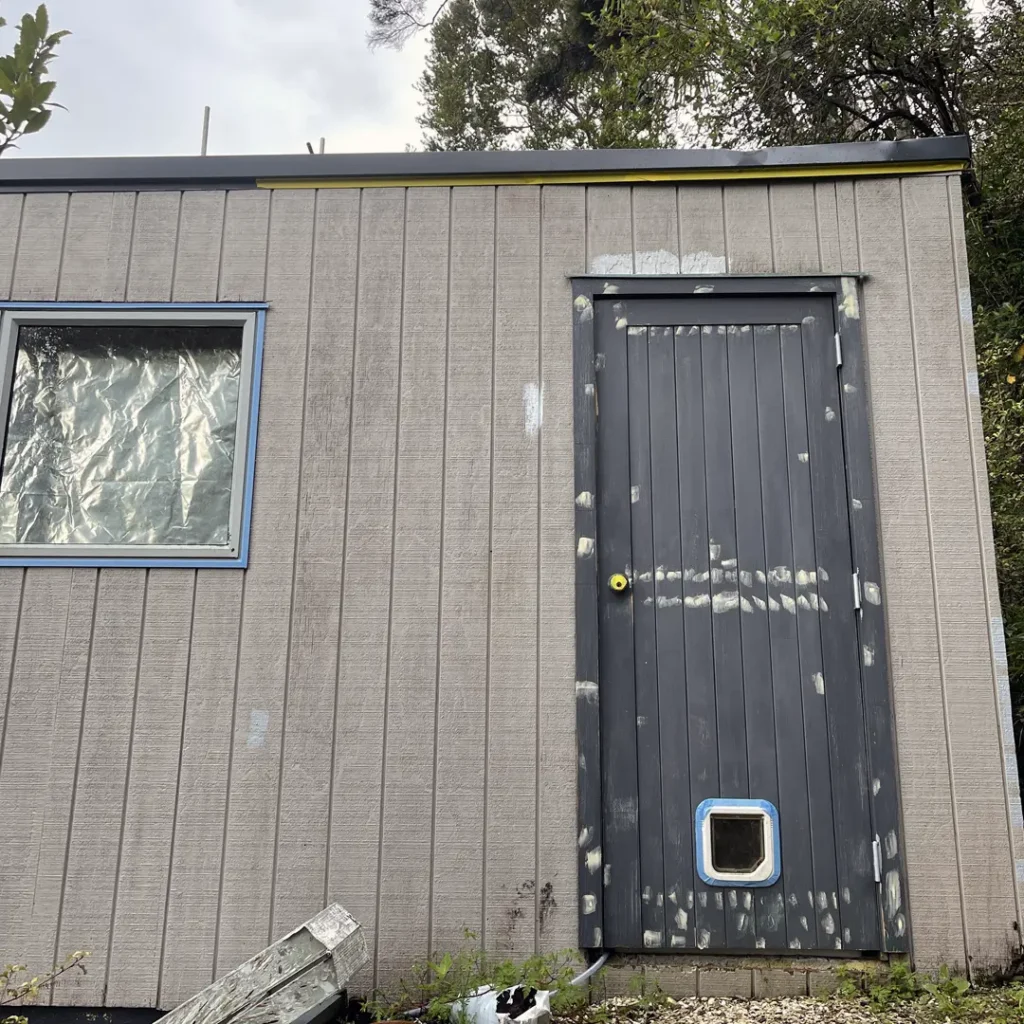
(17, 987)
(25, 89)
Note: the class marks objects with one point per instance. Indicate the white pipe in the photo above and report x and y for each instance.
(591, 970)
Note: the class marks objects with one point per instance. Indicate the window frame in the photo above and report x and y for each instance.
(251, 317)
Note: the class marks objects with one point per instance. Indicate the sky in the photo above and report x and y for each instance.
(136, 74)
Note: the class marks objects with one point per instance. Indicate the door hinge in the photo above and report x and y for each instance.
(856, 591)
(876, 858)
(839, 350)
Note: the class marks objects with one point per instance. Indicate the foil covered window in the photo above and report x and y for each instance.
(125, 438)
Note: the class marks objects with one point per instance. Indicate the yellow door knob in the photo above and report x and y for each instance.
(618, 582)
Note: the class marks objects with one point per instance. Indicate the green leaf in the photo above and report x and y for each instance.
(42, 20)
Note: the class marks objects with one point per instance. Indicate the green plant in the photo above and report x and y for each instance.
(947, 990)
(25, 90)
(16, 986)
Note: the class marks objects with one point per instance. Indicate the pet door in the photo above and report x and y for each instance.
(737, 842)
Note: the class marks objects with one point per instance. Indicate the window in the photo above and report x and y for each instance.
(129, 433)
(737, 842)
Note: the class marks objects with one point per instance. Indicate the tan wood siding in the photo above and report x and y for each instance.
(381, 709)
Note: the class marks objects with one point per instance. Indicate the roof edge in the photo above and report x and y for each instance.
(910, 156)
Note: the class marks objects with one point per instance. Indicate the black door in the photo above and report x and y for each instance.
(735, 808)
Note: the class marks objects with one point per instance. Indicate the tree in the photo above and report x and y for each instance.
(25, 90)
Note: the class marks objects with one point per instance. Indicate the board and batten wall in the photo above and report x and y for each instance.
(380, 710)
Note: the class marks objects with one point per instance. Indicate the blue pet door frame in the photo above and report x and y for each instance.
(737, 842)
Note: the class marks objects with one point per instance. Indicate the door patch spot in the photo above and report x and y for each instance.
(653, 939)
(585, 836)
(702, 898)
(598, 938)
(761, 578)
(759, 943)
(669, 602)
(746, 578)
(589, 903)
(624, 812)
(760, 603)
(835, 902)
(876, 785)
(719, 903)
(585, 499)
(703, 939)
(697, 601)
(599, 361)
(672, 897)
(872, 593)
(839, 943)
(673, 574)
(773, 605)
(742, 920)
(586, 690)
(607, 876)
(733, 900)
(649, 600)
(621, 323)
(899, 924)
(802, 602)
(725, 601)
(610, 289)
(788, 603)
(533, 408)
(715, 551)
(857, 504)
(822, 901)
(584, 309)
(646, 897)
(849, 389)
(594, 860)
(846, 894)
(748, 902)
(869, 655)
(585, 547)
(819, 683)
(812, 600)
(891, 846)
(829, 413)
(746, 606)
(794, 943)
(728, 563)
(659, 900)
(678, 940)
(778, 575)
(634, 494)
(803, 578)
(681, 918)
(846, 935)
(829, 924)
(803, 922)
(803, 457)
(792, 898)
(689, 899)
(893, 893)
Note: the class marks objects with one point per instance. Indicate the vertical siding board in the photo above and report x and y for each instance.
(655, 230)
(979, 467)
(154, 246)
(988, 876)
(701, 229)
(830, 250)
(306, 779)
(134, 963)
(96, 246)
(563, 252)
(190, 933)
(99, 794)
(245, 922)
(510, 899)
(748, 229)
(11, 205)
(931, 857)
(40, 247)
(794, 239)
(404, 893)
(355, 814)
(457, 883)
(609, 230)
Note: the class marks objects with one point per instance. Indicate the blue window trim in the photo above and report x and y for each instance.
(241, 560)
(704, 810)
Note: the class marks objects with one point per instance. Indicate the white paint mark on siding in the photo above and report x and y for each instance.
(584, 308)
(612, 264)
(995, 627)
(773, 605)
(746, 578)
(792, 898)
(733, 899)
(876, 785)
(715, 551)
(584, 837)
(584, 547)
(788, 603)
(586, 690)
(857, 504)
(822, 575)
(759, 943)
(899, 924)
(634, 493)
(868, 652)
(594, 860)
(803, 457)
(748, 901)
(673, 574)
(778, 575)
(830, 414)
(761, 578)
(585, 499)
(681, 918)
(702, 898)
(641, 720)
(846, 894)
(1020, 870)
(701, 262)
(760, 603)
(673, 896)
(678, 940)
(846, 935)
(802, 602)
(703, 939)
(849, 389)
(746, 606)
(872, 593)
(258, 722)
(646, 897)
(621, 323)
(697, 600)
(973, 388)
(589, 903)
(599, 361)
(725, 601)
(803, 922)
(689, 899)
(728, 563)
(652, 939)
(607, 876)
(891, 845)
(794, 943)
(850, 307)
(624, 812)
(669, 602)
(598, 938)
(719, 902)
(803, 578)
(610, 289)
(893, 893)
(822, 900)
(819, 682)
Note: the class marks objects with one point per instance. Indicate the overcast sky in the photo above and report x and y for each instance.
(136, 74)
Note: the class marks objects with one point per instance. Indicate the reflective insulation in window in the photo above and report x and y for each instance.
(121, 435)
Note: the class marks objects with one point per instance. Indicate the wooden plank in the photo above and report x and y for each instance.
(96, 247)
(907, 593)
(748, 229)
(362, 669)
(510, 897)
(404, 895)
(701, 211)
(673, 790)
(761, 919)
(793, 219)
(563, 241)
(655, 230)
(620, 811)
(246, 921)
(818, 393)
(987, 870)
(709, 915)
(40, 247)
(310, 737)
(97, 805)
(190, 936)
(609, 230)
(138, 922)
(11, 205)
(830, 250)
(457, 879)
(778, 591)
(1001, 671)
(645, 637)
(154, 245)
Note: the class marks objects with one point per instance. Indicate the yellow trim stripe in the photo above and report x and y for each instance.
(611, 177)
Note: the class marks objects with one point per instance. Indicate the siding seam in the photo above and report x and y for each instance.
(344, 541)
(391, 586)
(440, 578)
(935, 591)
(10, 674)
(17, 248)
(985, 582)
(537, 608)
(177, 242)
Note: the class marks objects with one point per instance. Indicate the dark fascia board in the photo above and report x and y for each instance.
(347, 169)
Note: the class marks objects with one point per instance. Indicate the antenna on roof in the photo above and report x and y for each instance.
(206, 130)
(309, 146)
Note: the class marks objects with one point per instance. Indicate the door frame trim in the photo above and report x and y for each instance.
(883, 793)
